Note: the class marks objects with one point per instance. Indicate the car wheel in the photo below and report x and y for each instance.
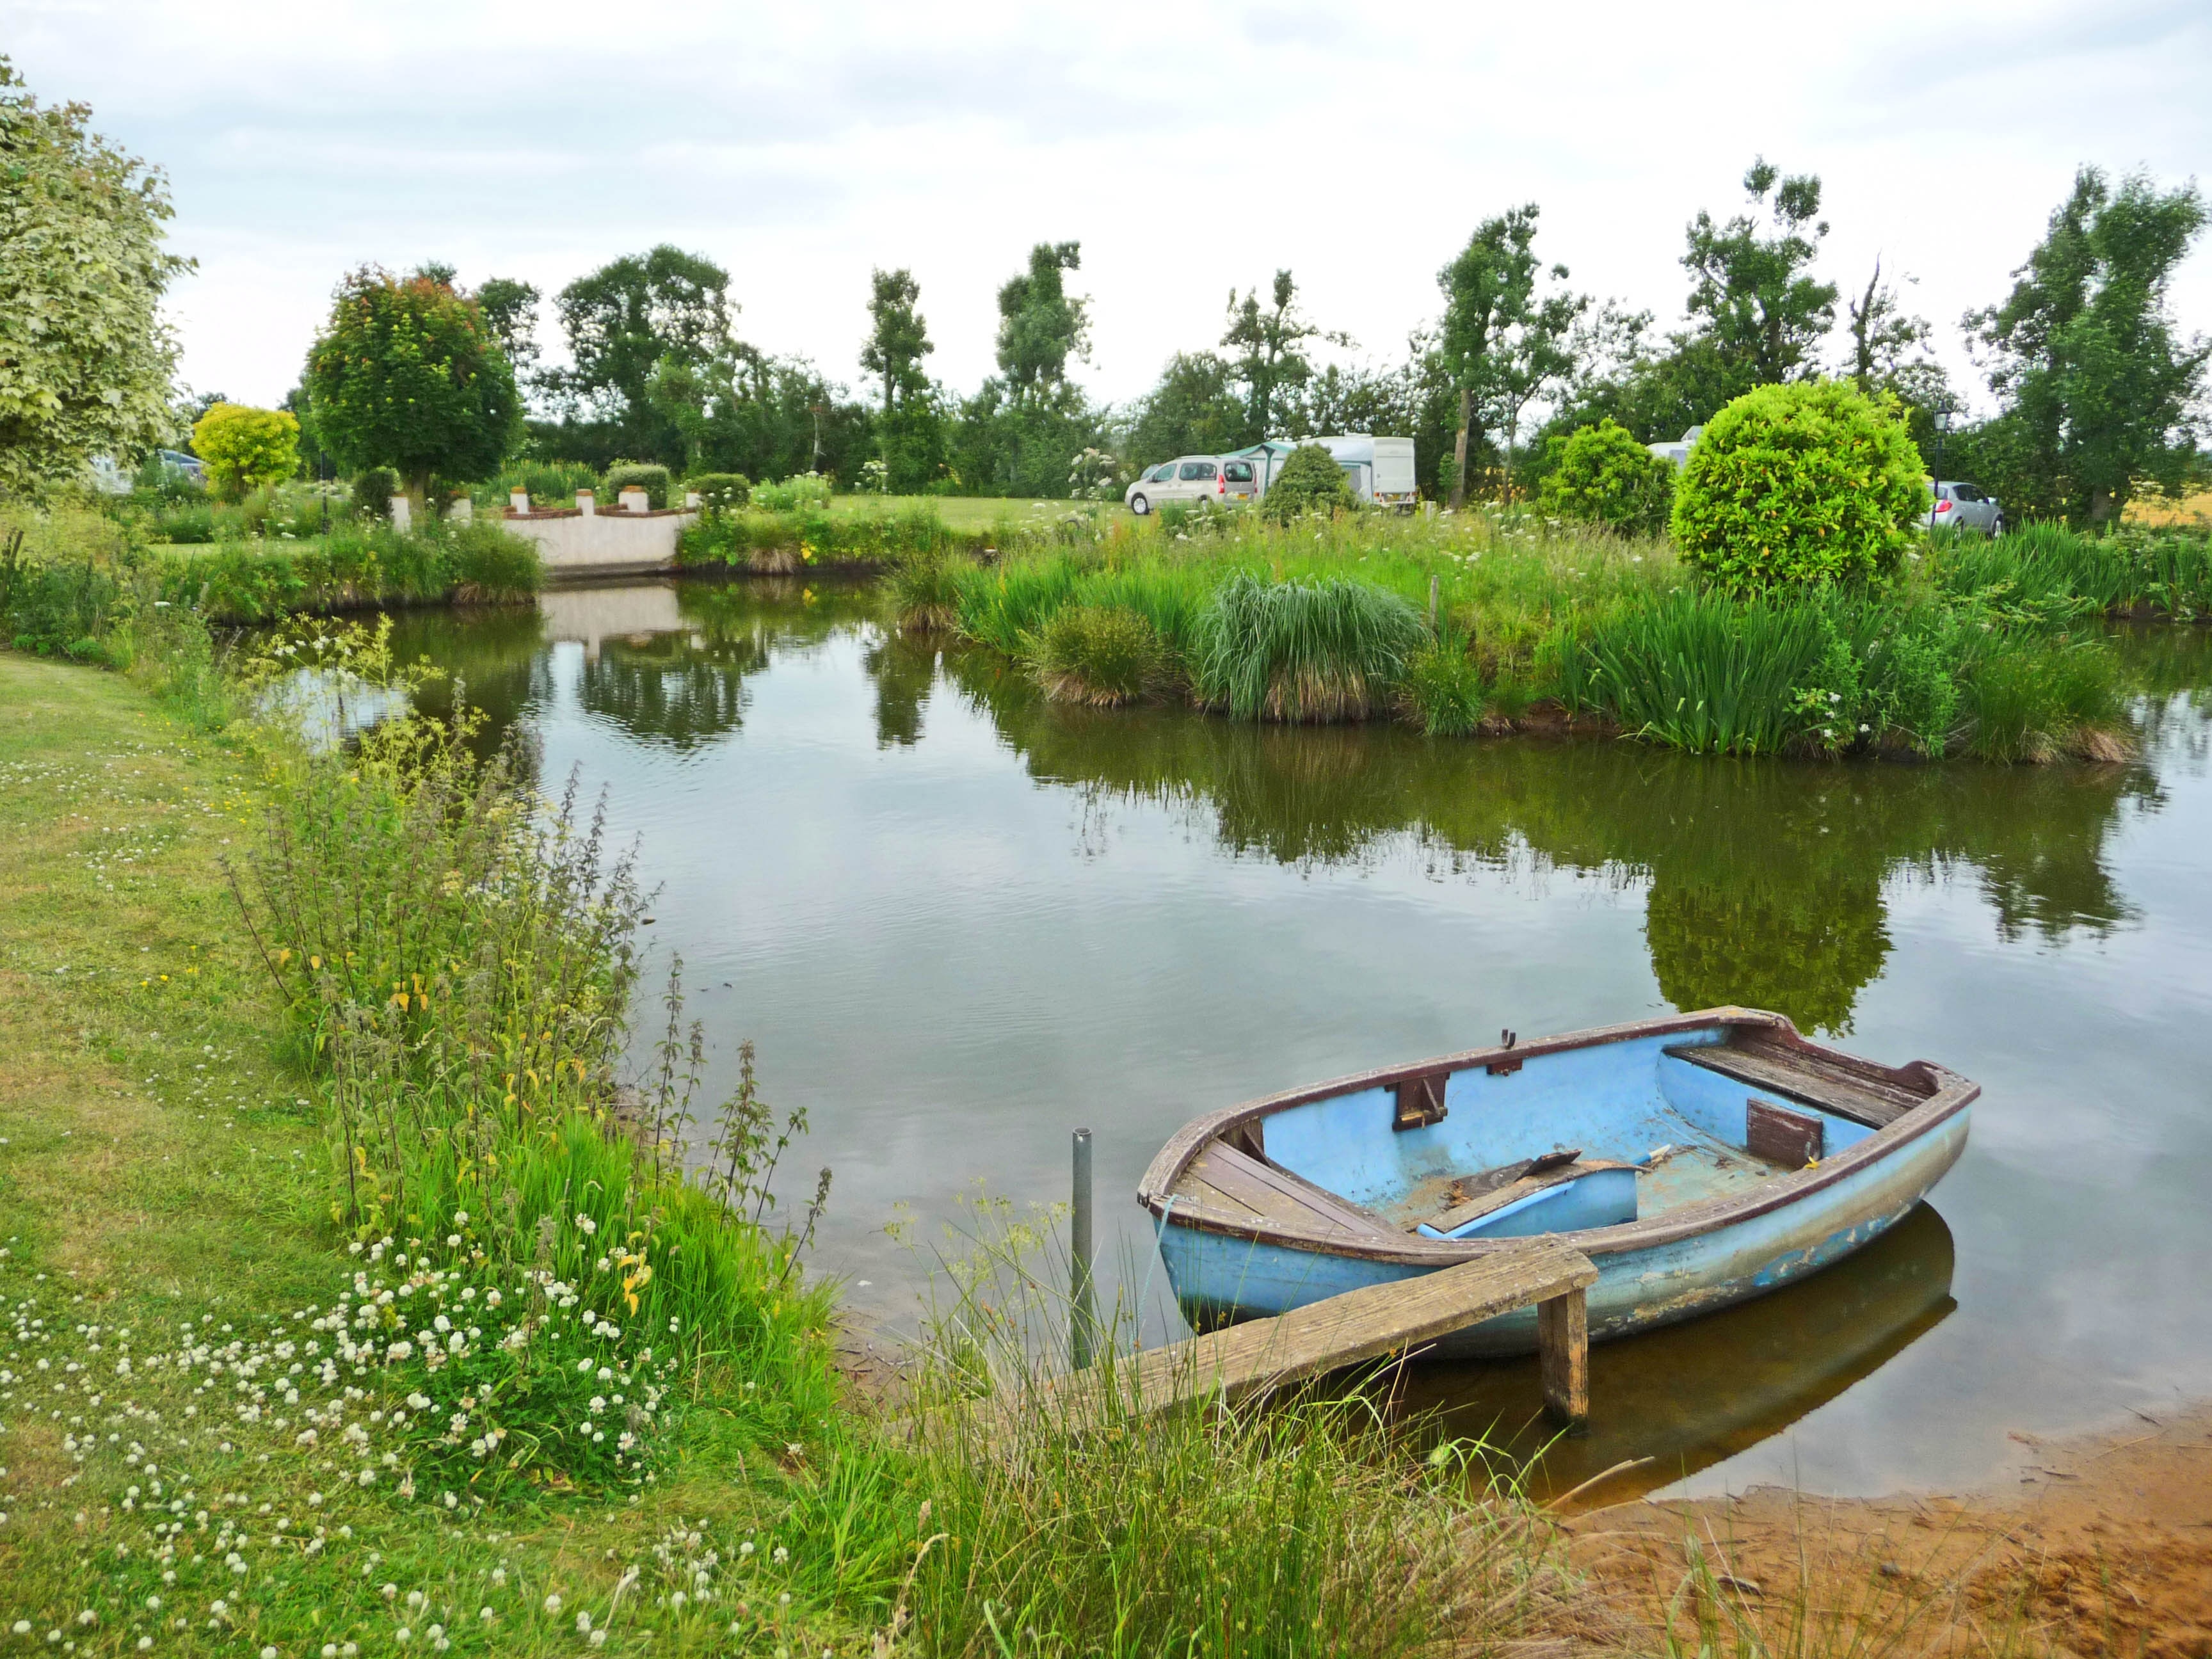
(1998, 527)
(1140, 506)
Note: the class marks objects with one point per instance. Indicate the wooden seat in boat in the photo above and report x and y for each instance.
(1232, 1182)
(1864, 1093)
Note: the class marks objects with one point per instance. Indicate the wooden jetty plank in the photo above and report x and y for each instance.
(1360, 1325)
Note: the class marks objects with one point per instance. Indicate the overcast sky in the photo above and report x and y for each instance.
(1189, 148)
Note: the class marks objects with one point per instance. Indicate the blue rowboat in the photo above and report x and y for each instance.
(1697, 1160)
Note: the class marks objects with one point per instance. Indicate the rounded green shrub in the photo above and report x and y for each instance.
(720, 492)
(649, 477)
(1311, 482)
(1102, 655)
(373, 490)
(1792, 484)
(1603, 476)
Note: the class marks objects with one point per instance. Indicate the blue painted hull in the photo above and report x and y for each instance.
(1705, 1255)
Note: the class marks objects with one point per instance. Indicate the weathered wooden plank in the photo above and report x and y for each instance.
(1326, 1335)
(1563, 1356)
(1785, 1072)
(1276, 1193)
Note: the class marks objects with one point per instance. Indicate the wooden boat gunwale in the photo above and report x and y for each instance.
(1950, 1095)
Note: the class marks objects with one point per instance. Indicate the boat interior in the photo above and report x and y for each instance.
(1558, 1140)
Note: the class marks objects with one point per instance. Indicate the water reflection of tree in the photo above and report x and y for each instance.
(1765, 878)
(903, 668)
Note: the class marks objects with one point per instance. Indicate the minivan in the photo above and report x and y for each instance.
(1198, 479)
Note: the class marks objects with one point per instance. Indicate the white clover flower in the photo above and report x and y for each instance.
(553, 1604)
(583, 1624)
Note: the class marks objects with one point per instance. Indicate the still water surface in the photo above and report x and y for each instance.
(959, 921)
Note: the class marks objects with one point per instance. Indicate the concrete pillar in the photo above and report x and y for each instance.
(585, 504)
(633, 499)
(402, 512)
(461, 510)
(518, 500)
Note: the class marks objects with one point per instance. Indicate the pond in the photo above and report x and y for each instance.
(960, 922)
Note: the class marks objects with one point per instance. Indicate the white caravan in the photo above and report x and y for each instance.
(1379, 470)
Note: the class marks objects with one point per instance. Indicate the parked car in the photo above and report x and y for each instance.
(1200, 480)
(1966, 506)
(1678, 450)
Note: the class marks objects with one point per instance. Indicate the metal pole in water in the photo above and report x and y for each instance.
(1082, 1318)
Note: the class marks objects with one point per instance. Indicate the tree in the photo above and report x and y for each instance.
(1311, 482)
(85, 359)
(910, 433)
(622, 321)
(2100, 389)
(1270, 344)
(246, 448)
(1753, 303)
(1194, 410)
(1501, 344)
(510, 311)
(1887, 353)
(1041, 324)
(766, 418)
(406, 374)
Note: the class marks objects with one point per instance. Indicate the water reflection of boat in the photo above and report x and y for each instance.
(1699, 1160)
(1688, 1396)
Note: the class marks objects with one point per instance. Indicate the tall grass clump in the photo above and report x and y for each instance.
(1001, 605)
(1296, 651)
(456, 961)
(1049, 1516)
(2031, 699)
(1703, 672)
(924, 594)
(1104, 655)
(1444, 692)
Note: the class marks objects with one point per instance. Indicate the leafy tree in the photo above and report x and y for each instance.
(767, 417)
(246, 448)
(910, 431)
(406, 374)
(1753, 303)
(1790, 484)
(622, 321)
(1501, 344)
(1270, 343)
(1887, 351)
(2100, 389)
(510, 311)
(85, 359)
(1193, 410)
(1604, 476)
(1041, 324)
(1757, 317)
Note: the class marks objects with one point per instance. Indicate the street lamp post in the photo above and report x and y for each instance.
(1942, 412)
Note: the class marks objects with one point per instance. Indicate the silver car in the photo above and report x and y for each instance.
(1966, 506)
(1200, 480)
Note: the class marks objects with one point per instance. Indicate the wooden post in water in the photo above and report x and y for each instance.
(1083, 1315)
(1563, 1358)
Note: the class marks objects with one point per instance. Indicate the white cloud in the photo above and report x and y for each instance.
(1190, 148)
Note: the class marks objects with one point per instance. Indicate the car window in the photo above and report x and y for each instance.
(1236, 472)
(1197, 469)
(1163, 472)
(1964, 493)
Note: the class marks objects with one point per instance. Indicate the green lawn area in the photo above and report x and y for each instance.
(970, 512)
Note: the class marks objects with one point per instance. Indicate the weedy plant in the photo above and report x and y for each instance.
(1101, 654)
(1329, 650)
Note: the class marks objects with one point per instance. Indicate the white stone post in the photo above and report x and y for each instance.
(633, 499)
(402, 511)
(585, 504)
(517, 500)
(462, 510)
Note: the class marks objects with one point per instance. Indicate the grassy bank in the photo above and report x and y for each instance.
(71, 578)
(319, 1183)
(1492, 621)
